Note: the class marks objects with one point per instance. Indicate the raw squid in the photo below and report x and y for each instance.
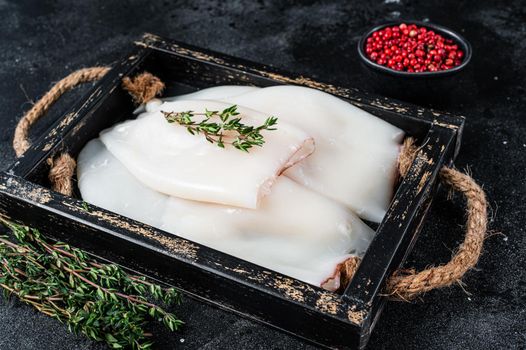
(295, 231)
(300, 224)
(168, 159)
(356, 152)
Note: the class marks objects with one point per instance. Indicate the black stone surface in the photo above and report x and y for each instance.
(41, 41)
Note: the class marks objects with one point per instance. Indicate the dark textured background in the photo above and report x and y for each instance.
(41, 41)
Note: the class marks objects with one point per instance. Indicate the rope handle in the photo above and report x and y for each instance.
(407, 284)
(142, 88)
(403, 284)
(86, 75)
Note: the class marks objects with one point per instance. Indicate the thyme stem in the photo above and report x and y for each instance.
(217, 127)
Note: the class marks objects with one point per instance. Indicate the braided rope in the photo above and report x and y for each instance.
(407, 284)
(21, 138)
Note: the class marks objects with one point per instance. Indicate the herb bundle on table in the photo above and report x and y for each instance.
(98, 300)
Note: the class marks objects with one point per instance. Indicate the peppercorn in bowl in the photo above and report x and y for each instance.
(414, 49)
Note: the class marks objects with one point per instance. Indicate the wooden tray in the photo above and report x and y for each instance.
(326, 318)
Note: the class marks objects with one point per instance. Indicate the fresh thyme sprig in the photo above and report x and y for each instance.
(98, 300)
(219, 131)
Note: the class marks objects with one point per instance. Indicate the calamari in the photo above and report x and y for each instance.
(295, 231)
(167, 158)
(356, 153)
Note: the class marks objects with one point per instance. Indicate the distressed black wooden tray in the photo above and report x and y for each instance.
(326, 318)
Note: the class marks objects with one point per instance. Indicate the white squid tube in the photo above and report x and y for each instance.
(296, 231)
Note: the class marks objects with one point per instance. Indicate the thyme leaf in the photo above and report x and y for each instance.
(218, 127)
(85, 206)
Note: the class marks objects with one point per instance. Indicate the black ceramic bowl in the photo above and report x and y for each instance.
(435, 89)
(445, 32)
